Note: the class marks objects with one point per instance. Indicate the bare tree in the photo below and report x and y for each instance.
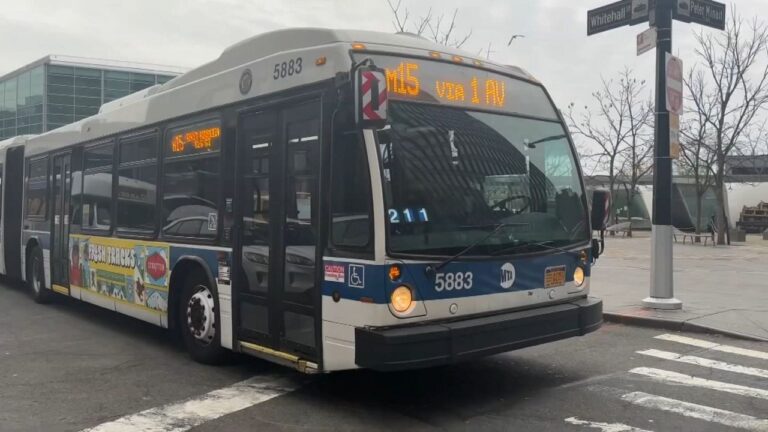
(736, 73)
(638, 154)
(619, 132)
(696, 155)
(441, 31)
(754, 145)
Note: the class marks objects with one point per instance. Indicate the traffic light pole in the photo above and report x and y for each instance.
(662, 288)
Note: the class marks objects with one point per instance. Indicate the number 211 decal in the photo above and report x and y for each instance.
(408, 215)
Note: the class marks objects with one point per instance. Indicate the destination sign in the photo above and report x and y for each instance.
(196, 139)
(449, 83)
(706, 12)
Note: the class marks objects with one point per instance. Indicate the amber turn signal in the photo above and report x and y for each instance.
(394, 272)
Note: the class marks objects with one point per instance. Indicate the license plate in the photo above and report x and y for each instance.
(554, 276)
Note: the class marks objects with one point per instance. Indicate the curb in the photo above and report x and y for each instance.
(674, 325)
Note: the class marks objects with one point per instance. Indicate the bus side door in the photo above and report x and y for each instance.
(278, 158)
(61, 185)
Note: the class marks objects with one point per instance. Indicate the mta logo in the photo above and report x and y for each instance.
(507, 275)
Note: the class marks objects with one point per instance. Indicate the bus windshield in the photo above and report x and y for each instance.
(452, 176)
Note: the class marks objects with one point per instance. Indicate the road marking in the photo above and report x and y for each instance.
(184, 415)
(604, 427)
(700, 412)
(714, 346)
(700, 361)
(674, 377)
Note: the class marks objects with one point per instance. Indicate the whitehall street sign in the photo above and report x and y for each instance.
(618, 14)
(609, 17)
(705, 12)
(646, 40)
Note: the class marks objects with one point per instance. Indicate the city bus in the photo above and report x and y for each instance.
(323, 199)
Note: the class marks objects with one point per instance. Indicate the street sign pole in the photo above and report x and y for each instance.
(659, 14)
(662, 288)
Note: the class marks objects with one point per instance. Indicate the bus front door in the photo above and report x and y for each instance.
(61, 185)
(277, 183)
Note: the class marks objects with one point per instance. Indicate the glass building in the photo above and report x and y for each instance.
(58, 90)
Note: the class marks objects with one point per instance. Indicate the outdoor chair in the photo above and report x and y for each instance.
(693, 236)
(622, 228)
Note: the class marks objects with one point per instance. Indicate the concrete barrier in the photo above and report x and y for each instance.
(738, 235)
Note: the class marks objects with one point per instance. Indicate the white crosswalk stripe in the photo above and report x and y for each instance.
(604, 427)
(678, 378)
(714, 346)
(700, 361)
(708, 364)
(184, 415)
(700, 412)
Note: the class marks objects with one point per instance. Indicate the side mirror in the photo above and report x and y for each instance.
(601, 209)
(597, 248)
(370, 97)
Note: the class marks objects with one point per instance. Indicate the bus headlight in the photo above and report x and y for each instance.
(402, 299)
(578, 276)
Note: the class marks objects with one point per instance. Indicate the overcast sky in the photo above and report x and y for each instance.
(190, 32)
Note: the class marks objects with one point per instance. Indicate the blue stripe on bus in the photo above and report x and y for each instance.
(486, 277)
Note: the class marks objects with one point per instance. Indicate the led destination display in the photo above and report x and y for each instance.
(460, 85)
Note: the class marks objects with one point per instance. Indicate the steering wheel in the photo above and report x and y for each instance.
(499, 205)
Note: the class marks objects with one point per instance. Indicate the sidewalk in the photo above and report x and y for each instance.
(723, 289)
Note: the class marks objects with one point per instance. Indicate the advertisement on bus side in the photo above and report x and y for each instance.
(130, 271)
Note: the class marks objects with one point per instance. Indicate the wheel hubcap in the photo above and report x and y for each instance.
(201, 315)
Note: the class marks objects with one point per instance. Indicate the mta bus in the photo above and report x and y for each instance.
(324, 199)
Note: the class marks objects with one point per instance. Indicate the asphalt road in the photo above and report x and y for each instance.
(71, 366)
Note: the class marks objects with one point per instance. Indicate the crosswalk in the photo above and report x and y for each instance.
(704, 376)
(666, 382)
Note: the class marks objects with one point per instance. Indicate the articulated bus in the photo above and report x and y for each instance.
(324, 199)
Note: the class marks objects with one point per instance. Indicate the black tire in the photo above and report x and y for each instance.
(36, 277)
(202, 347)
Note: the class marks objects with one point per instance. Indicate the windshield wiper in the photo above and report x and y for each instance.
(432, 269)
(532, 144)
(543, 244)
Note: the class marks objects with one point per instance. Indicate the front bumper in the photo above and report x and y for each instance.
(432, 344)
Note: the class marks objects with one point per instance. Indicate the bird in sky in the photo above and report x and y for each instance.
(512, 39)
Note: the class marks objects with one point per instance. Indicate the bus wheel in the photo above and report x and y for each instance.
(199, 320)
(36, 277)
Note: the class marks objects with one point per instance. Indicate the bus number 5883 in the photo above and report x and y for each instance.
(453, 281)
(287, 68)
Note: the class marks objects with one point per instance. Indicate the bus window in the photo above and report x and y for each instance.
(96, 200)
(191, 181)
(37, 189)
(136, 182)
(351, 192)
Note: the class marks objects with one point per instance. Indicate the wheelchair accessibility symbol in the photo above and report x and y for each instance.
(356, 276)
